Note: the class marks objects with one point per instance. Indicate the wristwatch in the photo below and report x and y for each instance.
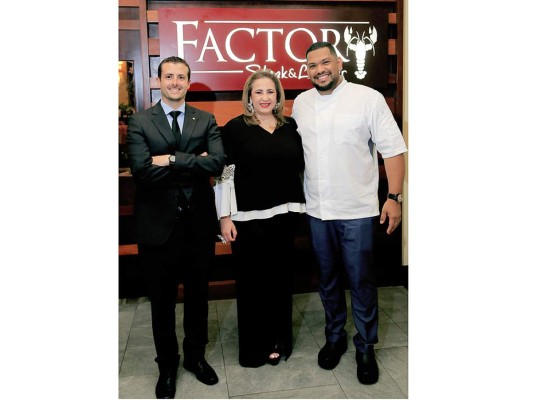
(171, 160)
(398, 198)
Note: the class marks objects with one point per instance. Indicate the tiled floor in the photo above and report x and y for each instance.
(299, 377)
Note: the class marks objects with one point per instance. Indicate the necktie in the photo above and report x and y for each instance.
(175, 126)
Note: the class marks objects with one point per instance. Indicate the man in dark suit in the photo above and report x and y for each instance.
(173, 150)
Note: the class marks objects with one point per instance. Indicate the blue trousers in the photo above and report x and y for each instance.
(347, 244)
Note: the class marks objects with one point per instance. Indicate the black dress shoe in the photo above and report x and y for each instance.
(166, 385)
(367, 367)
(203, 371)
(330, 355)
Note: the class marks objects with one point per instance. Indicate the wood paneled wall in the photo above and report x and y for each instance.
(139, 41)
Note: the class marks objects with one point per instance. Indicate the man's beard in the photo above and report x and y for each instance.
(329, 86)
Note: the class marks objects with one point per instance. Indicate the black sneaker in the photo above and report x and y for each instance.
(367, 367)
(330, 355)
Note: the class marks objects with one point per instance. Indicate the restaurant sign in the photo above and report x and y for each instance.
(223, 46)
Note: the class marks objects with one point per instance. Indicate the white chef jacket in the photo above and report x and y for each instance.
(341, 133)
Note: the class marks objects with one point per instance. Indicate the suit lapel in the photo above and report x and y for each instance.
(160, 121)
(191, 118)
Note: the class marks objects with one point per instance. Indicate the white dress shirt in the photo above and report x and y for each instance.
(341, 133)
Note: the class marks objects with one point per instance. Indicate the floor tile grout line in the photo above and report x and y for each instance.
(222, 349)
(128, 339)
(394, 380)
(285, 390)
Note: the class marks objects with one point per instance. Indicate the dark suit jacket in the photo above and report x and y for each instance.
(157, 188)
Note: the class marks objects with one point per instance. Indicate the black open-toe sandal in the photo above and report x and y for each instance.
(272, 359)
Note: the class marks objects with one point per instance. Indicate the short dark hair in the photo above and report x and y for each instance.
(320, 45)
(174, 60)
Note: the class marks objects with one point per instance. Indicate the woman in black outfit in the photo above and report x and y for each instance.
(259, 199)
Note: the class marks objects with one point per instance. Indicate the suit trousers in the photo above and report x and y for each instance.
(347, 244)
(182, 258)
